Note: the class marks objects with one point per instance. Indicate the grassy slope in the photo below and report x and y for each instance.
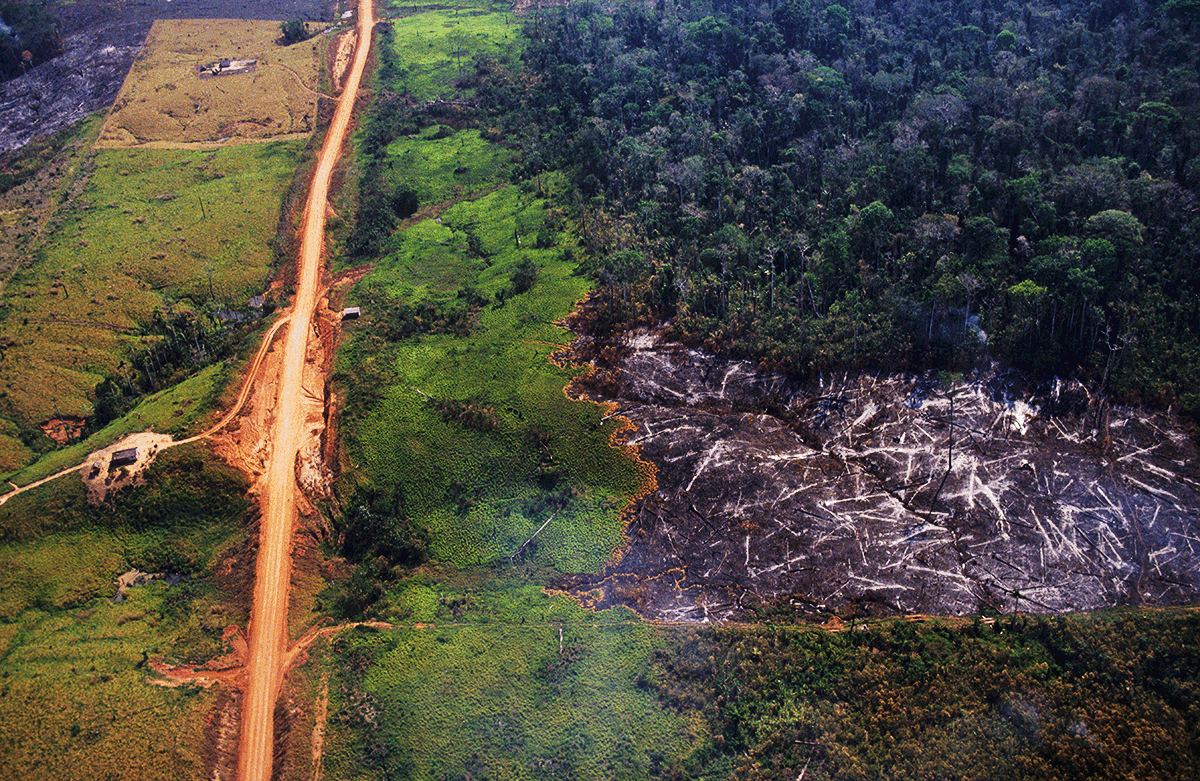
(143, 235)
(174, 410)
(76, 699)
(529, 710)
(74, 702)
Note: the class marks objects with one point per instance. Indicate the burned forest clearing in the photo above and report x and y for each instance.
(691, 391)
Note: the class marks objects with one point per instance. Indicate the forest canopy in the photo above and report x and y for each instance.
(29, 36)
(902, 185)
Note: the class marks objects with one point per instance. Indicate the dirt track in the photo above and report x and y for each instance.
(268, 618)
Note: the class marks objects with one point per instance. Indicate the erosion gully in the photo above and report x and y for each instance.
(268, 616)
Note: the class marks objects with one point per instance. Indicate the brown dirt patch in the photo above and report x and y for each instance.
(63, 430)
(343, 57)
(101, 475)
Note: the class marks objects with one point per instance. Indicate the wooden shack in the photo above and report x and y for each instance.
(124, 457)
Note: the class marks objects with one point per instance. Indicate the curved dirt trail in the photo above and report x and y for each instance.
(247, 386)
(268, 617)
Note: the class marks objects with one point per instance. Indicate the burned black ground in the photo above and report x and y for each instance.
(882, 495)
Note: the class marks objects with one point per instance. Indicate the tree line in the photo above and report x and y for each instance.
(900, 185)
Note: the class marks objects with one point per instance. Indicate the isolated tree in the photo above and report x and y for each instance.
(294, 31)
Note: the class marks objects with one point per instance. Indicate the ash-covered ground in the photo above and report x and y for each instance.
(101, 39)
(878, 494)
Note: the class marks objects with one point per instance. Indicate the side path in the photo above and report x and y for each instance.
(247, 385)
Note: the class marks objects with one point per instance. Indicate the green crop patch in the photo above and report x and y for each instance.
(518, 702)
(150, 231)
(440, 167)
(436, 49)
(483, 483)
(77, 702)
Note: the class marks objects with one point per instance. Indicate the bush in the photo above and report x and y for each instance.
(294, 31)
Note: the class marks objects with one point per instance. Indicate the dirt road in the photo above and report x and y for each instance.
(268, 617)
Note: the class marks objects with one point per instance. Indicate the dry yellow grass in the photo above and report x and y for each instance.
(165, 102)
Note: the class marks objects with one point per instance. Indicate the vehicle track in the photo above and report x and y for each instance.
(268, 617)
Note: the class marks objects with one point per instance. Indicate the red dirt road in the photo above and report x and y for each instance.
(268, 617)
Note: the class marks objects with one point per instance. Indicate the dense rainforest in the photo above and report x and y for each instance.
(887, 185)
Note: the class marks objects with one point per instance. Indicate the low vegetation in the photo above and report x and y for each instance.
(74, 658)
(143, 276)
(166, 103)
(557, 697)
(75, 701)
(1106, 695)
(453, 408)
(466, 446)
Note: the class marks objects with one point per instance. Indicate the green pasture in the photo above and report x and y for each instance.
(544, 700)
(76, 694)
(435, 46)
(439, 167)
(76, 700)
(150, 230)
(483, 491)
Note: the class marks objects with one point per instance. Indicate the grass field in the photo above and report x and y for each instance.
(439, 169)
(165, 103)
(76, 700)
(484, 488)
(538, 700)
(151, 230)
(435, 46)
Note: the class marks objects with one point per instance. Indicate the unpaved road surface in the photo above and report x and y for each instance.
(887, 494)
(268, 617)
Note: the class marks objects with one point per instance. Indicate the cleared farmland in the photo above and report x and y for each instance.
(145, 231)
(166, 102)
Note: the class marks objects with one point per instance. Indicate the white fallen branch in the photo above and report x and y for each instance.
(536, 533)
